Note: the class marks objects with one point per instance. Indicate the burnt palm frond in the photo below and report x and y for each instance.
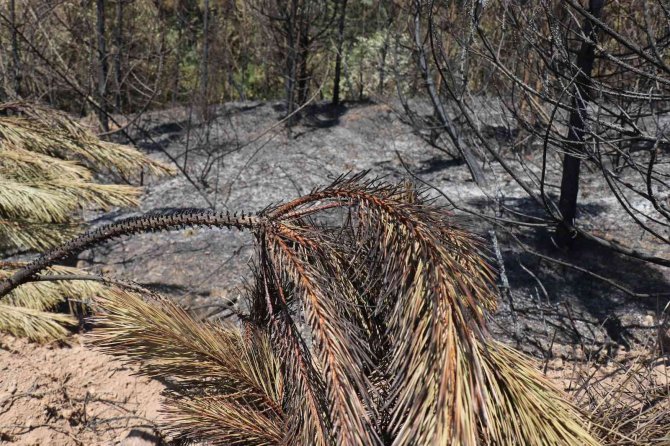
(306, 408)
(33, 324)
(342, 356)
(47, 166)
(225, 386)
(377, 324)
(441, 290)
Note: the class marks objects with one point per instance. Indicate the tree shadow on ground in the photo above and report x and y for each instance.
(437, 164)
(552, 303)
(319, 115)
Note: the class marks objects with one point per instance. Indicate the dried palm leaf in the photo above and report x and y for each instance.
(226, 388)
(46, 131)
(35, 235)
(379, 324)
(47, 163)
(25, 166)
(35, 325)
(24, 201)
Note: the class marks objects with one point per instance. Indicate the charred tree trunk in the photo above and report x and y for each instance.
(102, 64)
(567, 203)
(470, 160)
(304, 77)
(382, 61)
(338, 56)
(204, 64)
(118, 40)
(291, 63)
(16, 70)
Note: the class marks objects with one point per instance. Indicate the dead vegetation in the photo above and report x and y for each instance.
(377, 324)
(50, 171)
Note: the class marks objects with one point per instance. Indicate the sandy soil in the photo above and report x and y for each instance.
(67, 394)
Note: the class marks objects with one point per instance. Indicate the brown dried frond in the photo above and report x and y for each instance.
(24, 165)
(40, 326)
(375, 329)
(220, 421)
(434, 320)
(47, 163)
(226, 387)
(305, 405)
(342, 355)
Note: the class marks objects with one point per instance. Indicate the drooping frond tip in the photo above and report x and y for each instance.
(372, 323)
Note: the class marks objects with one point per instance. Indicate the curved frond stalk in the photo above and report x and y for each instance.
(35, 325)
(26, 307)
(168, 220)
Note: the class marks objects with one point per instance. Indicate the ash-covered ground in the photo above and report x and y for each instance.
(244, 160)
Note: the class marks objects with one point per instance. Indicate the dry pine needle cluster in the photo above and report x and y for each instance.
(365, 325)
(49, 172)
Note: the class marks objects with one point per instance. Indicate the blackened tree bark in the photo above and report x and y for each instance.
(118, 40)
(16, 70)
(567, 203)
(291, 62)
(468, 156)
(204, 63)
(304, 77)
(102, 65)
(384, 53)
(338, 56)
